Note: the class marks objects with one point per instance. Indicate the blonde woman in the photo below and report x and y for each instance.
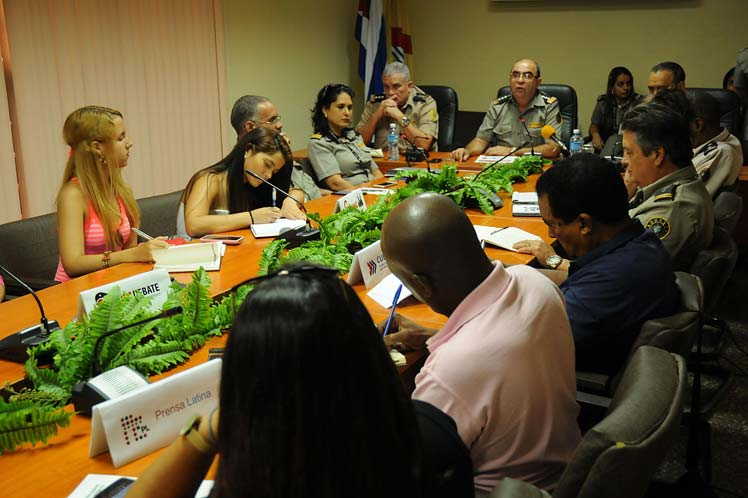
(96, 209)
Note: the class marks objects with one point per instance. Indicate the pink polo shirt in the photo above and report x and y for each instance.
(503, 368)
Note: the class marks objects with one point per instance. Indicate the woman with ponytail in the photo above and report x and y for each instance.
(96, 209)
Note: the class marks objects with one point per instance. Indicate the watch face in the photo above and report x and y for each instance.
(553, 261)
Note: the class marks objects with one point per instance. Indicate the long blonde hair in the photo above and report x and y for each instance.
(99, 177)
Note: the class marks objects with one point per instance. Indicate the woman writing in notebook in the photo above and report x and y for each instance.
(95, 207)
(231, 194)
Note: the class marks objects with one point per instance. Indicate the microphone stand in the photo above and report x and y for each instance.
(532, 147)
(13, 348)
(511, 152)
(417, 151)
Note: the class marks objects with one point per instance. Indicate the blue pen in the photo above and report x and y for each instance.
(392, 313)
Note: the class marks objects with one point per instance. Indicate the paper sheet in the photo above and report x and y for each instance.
(190, 257)
(94, 484)
(503, 237)
(384, 291)
(260, 230)
(492, 159)
(525, 197)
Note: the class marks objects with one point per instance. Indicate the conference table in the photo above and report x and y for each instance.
(55, 469)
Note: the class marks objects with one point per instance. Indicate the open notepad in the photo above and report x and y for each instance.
(525, 204)
(504, 237)
(190, 257)
(275, 228)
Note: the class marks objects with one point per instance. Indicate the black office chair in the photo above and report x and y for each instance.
(28, 248)
(729, 107)
(447, 104)
(728, 206)
(467, 124)
(567, 102)
(158, 214)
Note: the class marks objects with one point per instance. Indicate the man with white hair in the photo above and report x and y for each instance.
(405, 104)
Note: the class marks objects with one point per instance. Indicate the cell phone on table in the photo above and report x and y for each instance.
(118, 489)
(230, 240)
(385, 184)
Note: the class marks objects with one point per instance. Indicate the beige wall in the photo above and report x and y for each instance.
(287, 50)
(471, 45)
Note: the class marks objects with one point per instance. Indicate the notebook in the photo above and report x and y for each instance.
(190, 257)
(504, 237)
(260, 230)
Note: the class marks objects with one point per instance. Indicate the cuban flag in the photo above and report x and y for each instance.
(372, 54)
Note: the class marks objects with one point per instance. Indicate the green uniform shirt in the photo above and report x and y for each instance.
(420, 109)
(346, 156)
(502, 125)
(679, 210)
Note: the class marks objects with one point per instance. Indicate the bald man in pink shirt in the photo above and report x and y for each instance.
(503, 365)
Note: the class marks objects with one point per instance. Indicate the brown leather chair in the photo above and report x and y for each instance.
(617, 457)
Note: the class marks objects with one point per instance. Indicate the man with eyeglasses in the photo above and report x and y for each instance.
(621, 274)
(510, 119)
(252, 111)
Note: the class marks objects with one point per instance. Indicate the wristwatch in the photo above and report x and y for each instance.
(191, 433)
(553, 261)
(404, 122)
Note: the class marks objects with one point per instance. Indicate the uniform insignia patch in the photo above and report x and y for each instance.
(550, 100)
(503, 99)
(316, 135)
(434, 115)
(709, 147)
(659, 227)
(662, 197)
(535, 124)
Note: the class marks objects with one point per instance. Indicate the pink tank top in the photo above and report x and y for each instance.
(94, 241)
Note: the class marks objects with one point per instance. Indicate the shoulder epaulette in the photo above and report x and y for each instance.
(709, 147)
(316, 136)
(420, 97)
(502, 100)
(666, 193)
(548, 98)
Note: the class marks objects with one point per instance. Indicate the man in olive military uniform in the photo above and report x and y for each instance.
(405, 104)
(670, 198)
(510, 119)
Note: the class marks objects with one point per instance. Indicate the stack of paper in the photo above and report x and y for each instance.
(504, 237)
(190, 257)
(525, 204)
(274, 229)
(492, 159)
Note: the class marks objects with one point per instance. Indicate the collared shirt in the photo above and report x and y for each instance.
(420, 109)
(679, 210)
(718, 161)
(608, 113)
(612, 290)
(502, 124)
(503, 368)
(346, 156)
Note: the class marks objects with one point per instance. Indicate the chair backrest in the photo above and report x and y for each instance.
(617, 457)
(467, 124)
(676, 333)
(28, 248)
(729, 107)
(567, 103)
(728, 206)
(158, 214)
(714, 265)
(447, 104)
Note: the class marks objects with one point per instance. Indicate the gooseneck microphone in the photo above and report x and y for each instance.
(529, 137)
(13, 348)
(549, 132)
(511, 152)
(277, 189)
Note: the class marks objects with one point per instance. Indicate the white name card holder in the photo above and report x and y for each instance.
(150, 417)
(353, 198)
(368, 265)
(151, 283)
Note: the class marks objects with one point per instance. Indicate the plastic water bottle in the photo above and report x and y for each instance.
(576, 142)
(393, 153)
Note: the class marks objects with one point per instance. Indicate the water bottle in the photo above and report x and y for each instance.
(393, 153)
(576, 142)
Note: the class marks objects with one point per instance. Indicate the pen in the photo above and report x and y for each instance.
(482, 243)
(274, 198)
(392, 312)
(141, 233)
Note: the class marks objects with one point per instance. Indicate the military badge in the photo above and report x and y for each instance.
(659, 227)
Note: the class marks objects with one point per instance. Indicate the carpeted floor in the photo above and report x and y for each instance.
(730, 418)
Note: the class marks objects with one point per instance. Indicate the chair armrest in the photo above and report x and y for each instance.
(592, 382)
(513, 488)
(14, 289)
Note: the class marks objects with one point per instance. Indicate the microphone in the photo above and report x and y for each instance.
(293, 237)
(113, 383)
(511, 152)
(532, 147)
(416, 153)
(13, 348)
(549, 132)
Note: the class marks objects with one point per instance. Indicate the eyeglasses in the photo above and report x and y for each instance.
(516, 75)
(272, 121)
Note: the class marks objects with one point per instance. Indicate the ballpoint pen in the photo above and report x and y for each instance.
(142, 233)
(392, 312)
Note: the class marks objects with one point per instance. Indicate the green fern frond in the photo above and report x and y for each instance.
(25, 422)
(154, 357)
(271, 255)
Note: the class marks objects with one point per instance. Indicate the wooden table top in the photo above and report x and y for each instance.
(57, 468)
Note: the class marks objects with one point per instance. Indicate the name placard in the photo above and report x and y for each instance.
(151, 283)
(151, 416)
(368, 265)
(353, 198)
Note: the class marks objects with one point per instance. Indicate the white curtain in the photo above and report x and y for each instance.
(159, 62)
(10, 204)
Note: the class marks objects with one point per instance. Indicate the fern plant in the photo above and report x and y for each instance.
(27, 421)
